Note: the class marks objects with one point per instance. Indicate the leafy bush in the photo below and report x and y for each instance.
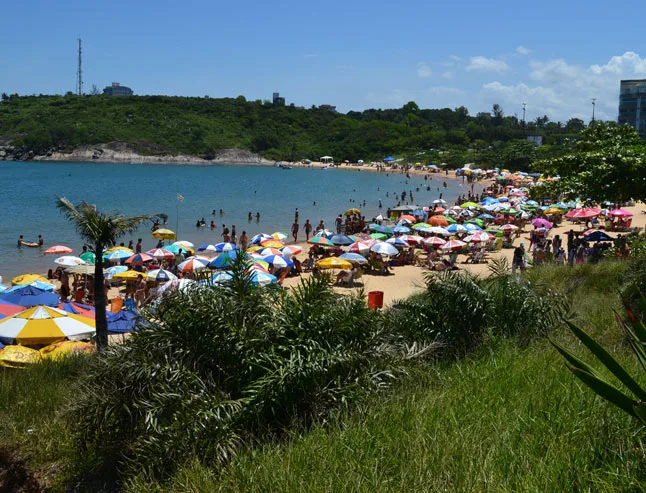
(215, 367)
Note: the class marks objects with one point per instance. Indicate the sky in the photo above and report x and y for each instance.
(555, 56)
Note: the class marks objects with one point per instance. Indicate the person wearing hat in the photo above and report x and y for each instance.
(519, 258)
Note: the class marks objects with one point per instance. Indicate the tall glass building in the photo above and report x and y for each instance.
(632, 105)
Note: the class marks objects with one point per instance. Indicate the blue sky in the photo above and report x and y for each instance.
(555, 56)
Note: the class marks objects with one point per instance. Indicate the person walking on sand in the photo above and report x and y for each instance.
(295, 228)
(140, 291)
(244, 241)
(308, 229)
(518, 259)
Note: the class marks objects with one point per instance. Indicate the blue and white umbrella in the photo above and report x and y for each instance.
(111, 271)
(260, 278)
(255, 240)
(226, 247)
(457, 228)
(208, 248)
(384, 248)
(398, 242)
(472, 228)
(401, 229)
(161, 275)
(118, 255)
(221, 277)
(278, 261)
(355, 258)
(341, 240)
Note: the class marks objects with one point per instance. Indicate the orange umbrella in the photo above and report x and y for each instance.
(58, 250)
(438, 221)
(408, 217)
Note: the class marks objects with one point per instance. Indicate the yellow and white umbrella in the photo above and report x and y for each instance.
(45, 325)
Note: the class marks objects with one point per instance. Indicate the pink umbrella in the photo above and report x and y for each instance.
(616, 213)
(542, 223)
(58, 250)
(508, 228)
(453, 245)
(411, 239)
(583, 213)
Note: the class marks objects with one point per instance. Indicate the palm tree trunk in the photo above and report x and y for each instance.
(99, 300)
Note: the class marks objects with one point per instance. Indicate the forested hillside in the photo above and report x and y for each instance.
(201, 126)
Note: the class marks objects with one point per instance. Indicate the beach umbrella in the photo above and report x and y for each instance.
(160, 254)
(278, 261)
(439, 201)
(290, 250)
(78, 309)
(583, 213)
(176, 249)
(193, 264)
(221, 277)
(69, 261)
(88, 257)
(139, 259)
(341, 240)
(352, 211)
(111, 271)
(226, 259)
(466, 205)
(472, 227)
(359, 247)
(378, 236)
(439, 210)
(422, 225)
(65, 349)
(438, 221)
(508, 228)
(380, 228)
(620, 213)
(264, 252)
(412, 239)
(225, 247)
(184, 244)
(58, 250)
(401, 229)
(457, 228)
(130, 275)
(45, 286)
(272, 244)
(19, 356)
(397, 242)
(408, 217)
(384, 248)
(354, 258)
(207, 248)
(437, 230)
(479, 237)
(279, 236)
(30, 296)
(539, 222)
(453, 245)
(321, 241)
(434, 242)
(260, 278)
(179, 284)
(118, 255)
(335, 263)
(119, 247)
(122, 322)
(27, 279)
(553, 210)
(255, 240)
(44, 325)
(163, 234)
(161, 275)
(598, 235)
(7, 308)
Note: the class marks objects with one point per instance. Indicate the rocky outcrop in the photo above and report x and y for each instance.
(121, 152)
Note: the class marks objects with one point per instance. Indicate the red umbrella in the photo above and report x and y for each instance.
(408, 217)
(479, 237)
(438, 221)
(411, 239)
(58, 250)
(434, 242)
(508, 228)
(583, 213)
(454, 245)
(7, 309)
(160, 254)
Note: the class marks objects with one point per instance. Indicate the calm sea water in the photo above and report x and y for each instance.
(29, 189)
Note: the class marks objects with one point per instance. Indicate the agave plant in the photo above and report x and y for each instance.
(632, 398)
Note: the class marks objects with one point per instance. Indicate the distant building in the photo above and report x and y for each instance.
(328, 107)
(632, 105)
(277, 100)
(117, 89)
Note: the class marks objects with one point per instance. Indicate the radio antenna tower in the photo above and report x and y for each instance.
(79, 72)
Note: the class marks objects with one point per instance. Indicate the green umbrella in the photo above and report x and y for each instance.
(477, 221)
(378, 236)
(88, 257)
(469, 204)
(449, 219)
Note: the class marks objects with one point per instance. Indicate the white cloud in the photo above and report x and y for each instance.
(449, 75)
(455, 58)
(424, 70)
(521, 50)
(554, 71)
(482, 64)
(629, 62)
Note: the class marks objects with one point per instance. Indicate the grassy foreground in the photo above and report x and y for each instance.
(505, 418)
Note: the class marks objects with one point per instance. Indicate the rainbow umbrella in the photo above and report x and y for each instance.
(139, 259)
(321, 241)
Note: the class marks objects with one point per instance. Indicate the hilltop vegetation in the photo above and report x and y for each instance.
(201, 126)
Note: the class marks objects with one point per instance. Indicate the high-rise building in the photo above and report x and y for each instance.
(117, 89)
(632, 105)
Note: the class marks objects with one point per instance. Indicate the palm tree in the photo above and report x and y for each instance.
(100, 229)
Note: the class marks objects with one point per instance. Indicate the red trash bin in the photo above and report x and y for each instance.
(375, 299)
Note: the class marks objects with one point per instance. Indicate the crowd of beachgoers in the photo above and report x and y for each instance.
(388, 254)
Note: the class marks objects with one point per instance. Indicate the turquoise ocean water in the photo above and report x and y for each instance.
(28, 192)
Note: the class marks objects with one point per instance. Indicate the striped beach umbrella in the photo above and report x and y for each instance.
(290, 250)
(226, 259)
(272, 244)
(225, 247)
(58, 250)
(117, 255)
(355, 258)
(139, 259)
(479, 237)
(412, 239)
(397, 242)
(321, 241)
(279, 236)
(161, 275)
(434, 242)
(160, 254)
(453, 245)
(278, 261)
(257, 239)
(45, 325)
(193, 264)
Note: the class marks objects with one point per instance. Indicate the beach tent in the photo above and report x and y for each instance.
(30, 296)
(326, 159)
(389, 159)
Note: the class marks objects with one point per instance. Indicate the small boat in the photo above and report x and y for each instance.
(30, 244)
(283, 166)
